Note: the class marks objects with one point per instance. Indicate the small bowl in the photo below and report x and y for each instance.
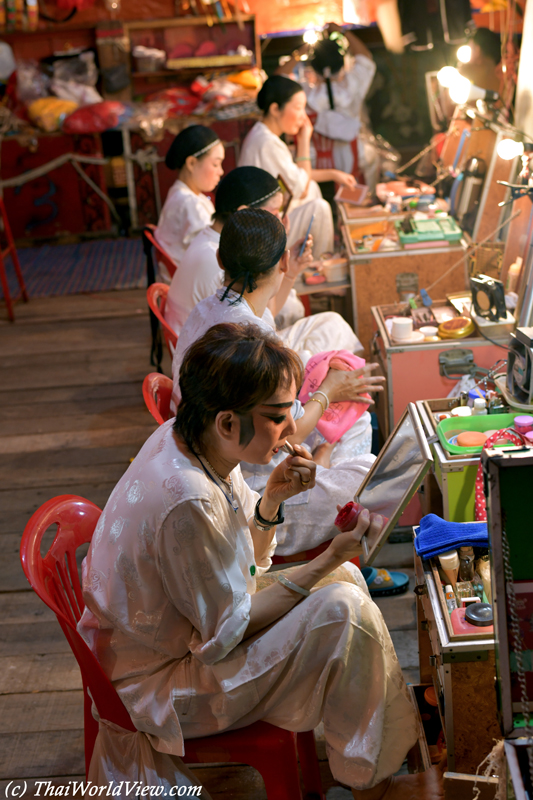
(429, 331)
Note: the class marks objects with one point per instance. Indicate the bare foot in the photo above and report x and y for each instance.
(421, 786)
(322, 454)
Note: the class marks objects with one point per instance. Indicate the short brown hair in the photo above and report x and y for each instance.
(232, 367)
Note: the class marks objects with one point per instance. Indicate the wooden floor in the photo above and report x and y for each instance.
(71, 419)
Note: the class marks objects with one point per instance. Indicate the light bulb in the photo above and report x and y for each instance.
(464, 53)
(310, 37)
(446, 76)
(509, 149)
(460, 90)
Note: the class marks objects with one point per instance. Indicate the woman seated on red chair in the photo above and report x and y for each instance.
(173, 611)
(197, 154)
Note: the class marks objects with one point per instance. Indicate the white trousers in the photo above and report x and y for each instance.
(322, 228)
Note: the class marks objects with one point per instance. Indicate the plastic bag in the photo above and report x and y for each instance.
(96, 118)
(32, 83)
(7, 61)
(80, 93)
(80, 69)
(49, 112)
(150, 118)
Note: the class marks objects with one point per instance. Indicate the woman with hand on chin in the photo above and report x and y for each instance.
(197, 154)
(173, 612)
(253, 255)
(283, 103)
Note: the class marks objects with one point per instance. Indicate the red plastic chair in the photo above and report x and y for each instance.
(156, 294)
(54, 577)
(157, 390)
(161, 255)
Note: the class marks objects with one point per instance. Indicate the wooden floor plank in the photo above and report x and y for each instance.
(69, 467)
(82, 417)
(45, 753)
(53, 395)
(39, 673)
(70, 439)
(32, 638)
(17, 608)
(92, 306)
(19, 504)
(34, 713)
(74, 336)
(72, 370)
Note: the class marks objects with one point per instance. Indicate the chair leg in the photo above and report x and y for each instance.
(309, 765)
(5, 289)
(281, 776)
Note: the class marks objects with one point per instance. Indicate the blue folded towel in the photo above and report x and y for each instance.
(436, 535)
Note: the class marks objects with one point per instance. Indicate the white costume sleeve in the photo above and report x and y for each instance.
(203, 579)
(262, 148)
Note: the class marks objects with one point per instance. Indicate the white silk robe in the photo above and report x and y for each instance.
(168, 583)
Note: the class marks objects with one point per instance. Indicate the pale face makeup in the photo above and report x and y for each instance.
(205, 172)
(291, 117)
(274, 204)
(273, 423)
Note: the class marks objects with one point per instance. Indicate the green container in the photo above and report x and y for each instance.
(481, 422)
(430, 230)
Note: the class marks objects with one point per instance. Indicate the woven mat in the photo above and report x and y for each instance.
(75, 268)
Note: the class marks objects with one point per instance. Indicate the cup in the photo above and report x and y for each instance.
(402, 328)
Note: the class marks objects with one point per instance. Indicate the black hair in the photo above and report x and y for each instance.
(188, 142)
(232, 367)
(327, 61)
(489, 43)
(277, 89)
(251, 244)
(243, 186)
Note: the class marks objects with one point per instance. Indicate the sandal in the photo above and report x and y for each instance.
(382, 583)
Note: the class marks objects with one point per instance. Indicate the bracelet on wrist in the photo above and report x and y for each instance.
(320, 403)
(324, 395)
(293, 586)
(268, 524)
(302, 158)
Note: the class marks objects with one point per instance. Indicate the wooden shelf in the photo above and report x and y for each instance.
(203, 62)
(184, 21)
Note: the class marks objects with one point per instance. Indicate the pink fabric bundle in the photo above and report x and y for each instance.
(340, 416)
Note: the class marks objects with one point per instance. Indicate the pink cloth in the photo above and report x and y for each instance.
(340, 416)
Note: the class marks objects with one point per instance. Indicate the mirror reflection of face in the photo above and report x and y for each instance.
(292, 115)
(207, 170)
(272, 423)
(274, 204)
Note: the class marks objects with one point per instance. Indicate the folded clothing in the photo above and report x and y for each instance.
(339, 417)
(436, 535)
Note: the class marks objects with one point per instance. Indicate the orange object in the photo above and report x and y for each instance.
(430, 696)
(471, 439)
(157, 390)
(272, 751)
(156, 294)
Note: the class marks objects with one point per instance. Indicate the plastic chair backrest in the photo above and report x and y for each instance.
(157, 391)
(55, 579)
(161, 254)
(156, 294)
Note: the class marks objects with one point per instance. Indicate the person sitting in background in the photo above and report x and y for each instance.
(336, 96)
(197, 153)
(200, 274)
(253, 256)
(283, 103)
(174, 613)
